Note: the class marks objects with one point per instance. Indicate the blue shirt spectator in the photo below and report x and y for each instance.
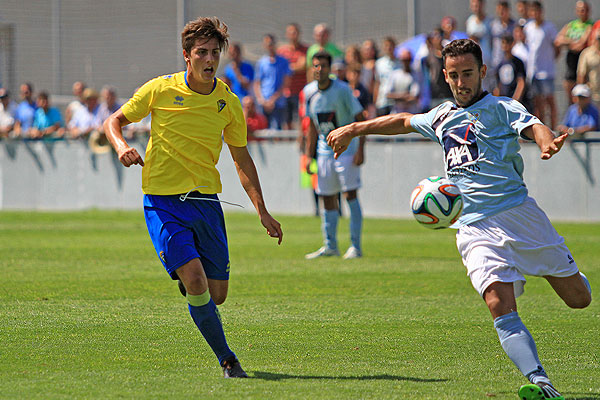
(272, 77)
(25, 110)
(47, 120)
(240, 74)
(582, 115)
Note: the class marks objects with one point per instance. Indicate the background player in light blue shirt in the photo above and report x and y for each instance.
(331, 104)
(503, 234)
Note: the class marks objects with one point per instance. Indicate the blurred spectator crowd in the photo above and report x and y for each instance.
(520, 48)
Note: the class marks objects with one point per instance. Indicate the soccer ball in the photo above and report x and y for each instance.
(436, 202)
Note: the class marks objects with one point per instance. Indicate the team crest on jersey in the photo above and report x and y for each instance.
(473, 118)
(460, 146)
(221, 104)
(178, 101)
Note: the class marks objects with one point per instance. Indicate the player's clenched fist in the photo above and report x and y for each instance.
(130, 156)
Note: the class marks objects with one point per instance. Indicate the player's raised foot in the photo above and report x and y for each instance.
(181, 288)
(322, 252)
(233, 369)
(352, 252)
(542, 391)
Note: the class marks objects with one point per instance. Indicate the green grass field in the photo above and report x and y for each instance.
(87, 311)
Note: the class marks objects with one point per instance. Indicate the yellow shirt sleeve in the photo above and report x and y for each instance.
(140, 104)
(236, 133)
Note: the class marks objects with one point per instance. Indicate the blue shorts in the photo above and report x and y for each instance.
(184, 230)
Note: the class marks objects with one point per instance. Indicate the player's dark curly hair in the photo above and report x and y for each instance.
(204, 28)
(461, 47)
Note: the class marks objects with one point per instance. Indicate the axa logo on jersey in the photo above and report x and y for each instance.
(460, 146)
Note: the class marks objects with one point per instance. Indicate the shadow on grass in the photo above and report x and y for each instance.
(270, 376)
(583, 396)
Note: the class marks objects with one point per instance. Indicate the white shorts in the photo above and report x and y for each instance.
(335, 176)
(517, 242)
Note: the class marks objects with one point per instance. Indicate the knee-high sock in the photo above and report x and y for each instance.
(330, 222)
(518, 344)
(205, 314)
(355, 222)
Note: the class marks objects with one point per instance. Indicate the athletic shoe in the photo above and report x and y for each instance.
(352, 252)
(233, 369)
(181, 288)
(322, 252)
(541, 391)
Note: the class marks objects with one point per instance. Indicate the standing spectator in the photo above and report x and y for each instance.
(25, 110)
(582, 116)
(77, 103)
(109, 103)
(295, 52)
(540, 35)
(592, 35)
(520, 49)
(369, 54)
(359, 91)
(404, 86)
(321, 35)
(238, 72)
(479, 28)
(500, 26)
(85, 120)
(433, 70)
(522, 7)
(383, 71)
(8, 109)
(588, 68)
(255, 121)
(330, 105)
(272, 78)
(510, 73)
(48, 120)
(574, 36)
(449, 32)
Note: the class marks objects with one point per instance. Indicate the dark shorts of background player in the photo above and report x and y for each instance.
(184, 230)
(291, 114)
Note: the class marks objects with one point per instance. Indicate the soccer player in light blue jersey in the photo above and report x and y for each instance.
(330, 104)
(502, 234)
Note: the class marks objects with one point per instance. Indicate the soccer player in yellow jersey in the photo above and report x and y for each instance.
(192, 113)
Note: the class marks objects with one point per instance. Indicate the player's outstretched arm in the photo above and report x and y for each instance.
(543, 136)
(249, 180)
(394, 124)
(113, 125)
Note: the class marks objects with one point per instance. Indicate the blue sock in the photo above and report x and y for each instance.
(518, 344)
(355, 222)
(205, 314)
(330, 221)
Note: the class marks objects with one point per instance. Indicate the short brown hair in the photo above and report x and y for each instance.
(461, 47)
(204, 28)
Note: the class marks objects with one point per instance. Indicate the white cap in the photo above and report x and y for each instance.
(581, 90)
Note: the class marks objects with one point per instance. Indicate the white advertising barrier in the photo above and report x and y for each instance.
(66, 175)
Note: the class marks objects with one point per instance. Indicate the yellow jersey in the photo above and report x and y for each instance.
(187, 133)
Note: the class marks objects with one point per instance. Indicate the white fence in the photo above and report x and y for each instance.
(66, 175)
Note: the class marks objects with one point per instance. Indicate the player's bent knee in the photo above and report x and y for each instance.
(219, 299)
(581, 301)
